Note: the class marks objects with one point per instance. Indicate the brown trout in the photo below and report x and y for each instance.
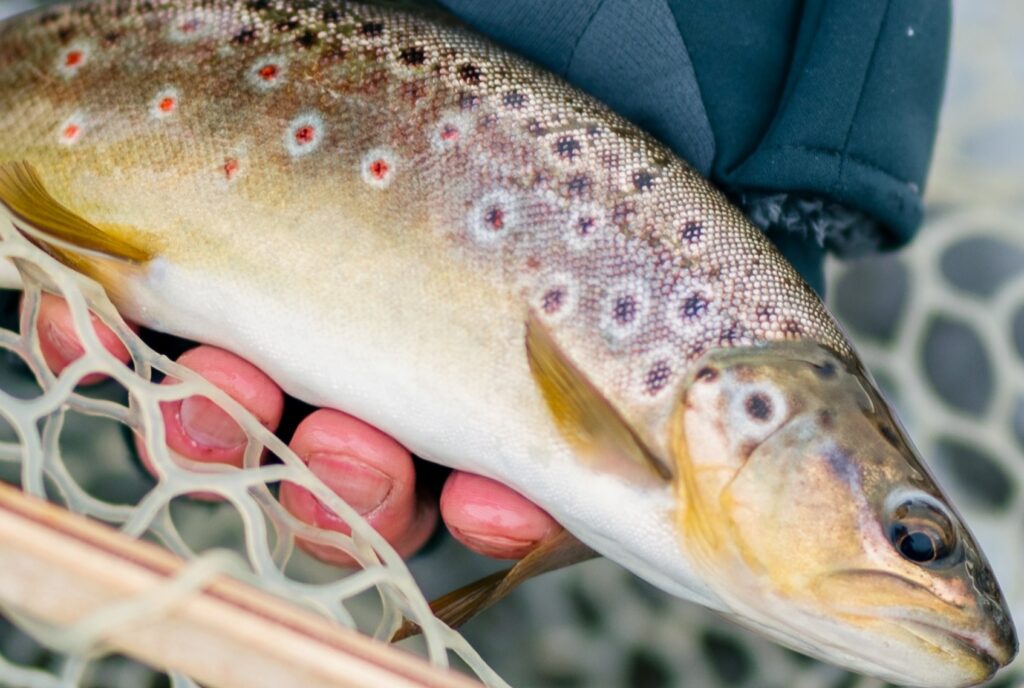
(394, 217)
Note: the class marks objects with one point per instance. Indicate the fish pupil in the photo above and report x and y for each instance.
(917, 547)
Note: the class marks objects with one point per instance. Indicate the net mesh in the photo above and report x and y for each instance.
(37, 419)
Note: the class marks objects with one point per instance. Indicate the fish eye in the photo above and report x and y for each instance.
(922, 532)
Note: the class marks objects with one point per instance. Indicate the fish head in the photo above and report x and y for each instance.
(812, 517)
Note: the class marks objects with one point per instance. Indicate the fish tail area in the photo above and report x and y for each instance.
(103, 254)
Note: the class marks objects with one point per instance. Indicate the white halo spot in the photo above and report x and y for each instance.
(72, 58)
(71, 129)
(304, 134)
(743, 425)
(191, 26)
(268, 73)
(623, 310)
(556, 297)
(165, 104)
(585, 222)
(451, 129)
(493, 217)
(378, 167)
(691, 307)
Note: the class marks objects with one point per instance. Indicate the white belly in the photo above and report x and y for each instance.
(456, 390)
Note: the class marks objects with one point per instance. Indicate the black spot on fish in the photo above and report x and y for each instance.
(65, 34)
(553, 300)
(245, 36)
(331, 15)
(567, 147)
(412, 56)
(691, 232)
(707, 374)
(890, 435)
(372, 28)
(258, 5)
(730, 335)
(111, 38)
(579, 185)
(624, 310)
(643, 180)
(658, 376)
(694, 306)
(514, 100)
(307, 39)
(469, 73)
(758, 406)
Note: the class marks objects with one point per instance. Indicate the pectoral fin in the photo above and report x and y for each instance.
(583, 414)
(459, 606)
(68, 237)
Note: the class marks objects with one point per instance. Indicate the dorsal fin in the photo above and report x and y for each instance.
(41, 217)
(583, 414)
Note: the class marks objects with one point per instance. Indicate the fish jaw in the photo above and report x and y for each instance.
(821, 528)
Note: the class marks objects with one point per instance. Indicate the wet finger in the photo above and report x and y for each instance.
(198, 429)
(493, 519)
(59, 340)
(369, 470)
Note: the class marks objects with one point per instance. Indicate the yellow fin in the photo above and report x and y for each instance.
(583, 414)
(459, 606)
(46, 221)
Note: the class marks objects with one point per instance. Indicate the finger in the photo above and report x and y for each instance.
(369, 470)
(198, 429)
(493, 519)
(59, 340)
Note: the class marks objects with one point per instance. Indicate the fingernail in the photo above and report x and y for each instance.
(496, 545)
(208, 425)
(65, 345)
(364, 487)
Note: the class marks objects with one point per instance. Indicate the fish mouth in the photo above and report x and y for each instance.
(988, 654)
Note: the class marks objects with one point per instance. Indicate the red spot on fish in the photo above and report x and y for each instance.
(71, 132)
(450, 133)
(533, 262)
(190, 26)
(167, 104)
(73, 58)
(379, 169)
(231, 167)
(495, 218)
(305, 135)
(269, 72)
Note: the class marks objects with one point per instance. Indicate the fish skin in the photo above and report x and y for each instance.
(311, 173)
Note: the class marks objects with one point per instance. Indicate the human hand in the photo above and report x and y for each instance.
(368, 469)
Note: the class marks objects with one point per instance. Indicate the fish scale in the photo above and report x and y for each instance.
(392, 216)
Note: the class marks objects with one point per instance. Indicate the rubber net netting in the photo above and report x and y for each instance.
(258, 533)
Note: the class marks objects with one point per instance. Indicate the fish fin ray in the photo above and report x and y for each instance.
(461, 605)
(45, 220)
(579, 408)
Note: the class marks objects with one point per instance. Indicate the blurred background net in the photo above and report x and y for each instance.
(941, 324)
